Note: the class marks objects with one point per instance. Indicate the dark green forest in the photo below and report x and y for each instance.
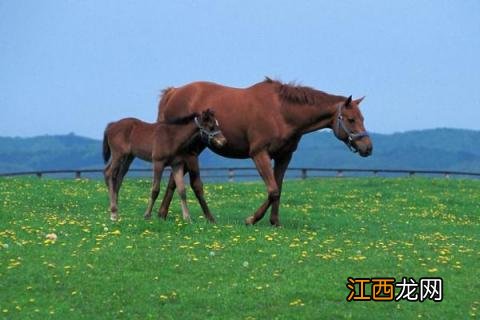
(435, 149)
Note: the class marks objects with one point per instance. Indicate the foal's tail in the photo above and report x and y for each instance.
(106, 147)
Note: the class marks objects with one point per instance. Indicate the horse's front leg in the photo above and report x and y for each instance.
(158, 167)
(280, 166)
(197, 186)
(263, 163)
(178, 174)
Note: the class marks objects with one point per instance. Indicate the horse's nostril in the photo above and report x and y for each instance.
(221, 142)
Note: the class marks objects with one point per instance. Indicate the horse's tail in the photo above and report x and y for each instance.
(106, 147)
(166, 94)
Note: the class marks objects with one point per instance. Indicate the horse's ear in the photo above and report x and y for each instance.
(348, 102)
(357, 101)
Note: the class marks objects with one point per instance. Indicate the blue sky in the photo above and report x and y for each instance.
(73, 66)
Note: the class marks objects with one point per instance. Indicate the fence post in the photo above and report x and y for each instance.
(339, 173)
(231, 174)
(78, 174)
(411, 173)
(447, 176)
(375, 173)
(39, 174)
(304, 174)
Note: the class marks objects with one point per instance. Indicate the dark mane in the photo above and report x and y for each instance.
(297, 94)
(180, 120)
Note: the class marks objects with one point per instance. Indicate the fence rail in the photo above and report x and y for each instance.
(231, 173)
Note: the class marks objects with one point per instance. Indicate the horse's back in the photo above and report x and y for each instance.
(240, 111)
(131, 136)
(200, 95)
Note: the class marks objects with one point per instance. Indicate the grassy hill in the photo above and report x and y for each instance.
(332, 229)
(443, 149)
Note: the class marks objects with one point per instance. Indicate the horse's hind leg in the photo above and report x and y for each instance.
(106, 173)
(158, 167)
(263, 163)
(112, 176)
(197, 186)
(178, 174)
(127, 161)
(167, 198)
(279, 168)
(119, 170)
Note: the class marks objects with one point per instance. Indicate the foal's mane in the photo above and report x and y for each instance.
(297, 94)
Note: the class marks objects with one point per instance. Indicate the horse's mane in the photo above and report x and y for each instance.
(180, 120)
(165, 95)
(297, 94)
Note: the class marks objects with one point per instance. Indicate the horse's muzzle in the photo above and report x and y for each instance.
(219, 142)
(365, 150)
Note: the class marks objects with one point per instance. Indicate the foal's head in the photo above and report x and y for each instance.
(209, 129)
(348, 127)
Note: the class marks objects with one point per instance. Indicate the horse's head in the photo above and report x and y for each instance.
(348, 127)
(209, 129)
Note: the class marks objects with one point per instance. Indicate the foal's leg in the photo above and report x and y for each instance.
(279, 169)
(127, 161)
(158, 167)
(197, 186)
(167, 198)
(112, 174)
(106, 173)
(178, 174)
(263, 163)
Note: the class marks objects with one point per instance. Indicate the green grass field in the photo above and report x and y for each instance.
(332, 229)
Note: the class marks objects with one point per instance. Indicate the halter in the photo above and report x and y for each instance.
(351, 136)
(205, 134)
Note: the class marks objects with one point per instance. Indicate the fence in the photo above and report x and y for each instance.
(244, 173)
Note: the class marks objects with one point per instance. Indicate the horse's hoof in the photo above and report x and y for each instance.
(147, 216)
(250, 221)
(162, 214)
(275, 224)
(114, 217)
(210, 219)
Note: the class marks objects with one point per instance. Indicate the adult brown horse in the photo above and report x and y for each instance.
(265, 122)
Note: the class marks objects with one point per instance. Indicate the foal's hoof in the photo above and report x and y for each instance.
(114, 217)
(162, 214)
(275, 223)
(250, 221)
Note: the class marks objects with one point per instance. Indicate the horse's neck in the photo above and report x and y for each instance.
(180, 133)
(309, 118)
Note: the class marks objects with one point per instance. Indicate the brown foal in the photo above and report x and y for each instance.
(164, 143)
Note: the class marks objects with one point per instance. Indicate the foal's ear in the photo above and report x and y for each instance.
(210, 112)
(348, 102)
(357, 101)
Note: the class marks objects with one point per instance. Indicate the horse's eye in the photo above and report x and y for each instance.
(351, 120)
